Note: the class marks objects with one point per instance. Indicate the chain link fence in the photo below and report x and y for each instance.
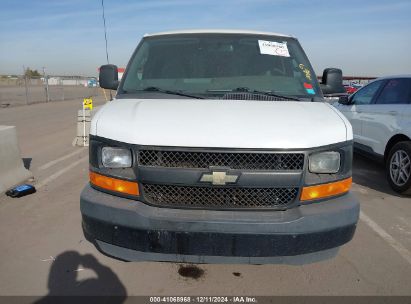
(21, 90)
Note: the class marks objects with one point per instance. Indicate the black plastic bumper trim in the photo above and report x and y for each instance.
(215, 244)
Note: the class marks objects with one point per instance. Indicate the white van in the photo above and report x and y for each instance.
(218, 148)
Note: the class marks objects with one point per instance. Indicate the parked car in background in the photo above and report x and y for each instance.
(350, 89)
(357, 86)
(380, 114)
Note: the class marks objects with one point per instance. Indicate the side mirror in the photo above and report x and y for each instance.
(344, 100)
(332, 82)
(108, 77)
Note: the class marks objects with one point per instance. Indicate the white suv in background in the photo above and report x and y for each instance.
(380, 114)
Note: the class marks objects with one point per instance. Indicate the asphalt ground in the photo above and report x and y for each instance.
(43, 250)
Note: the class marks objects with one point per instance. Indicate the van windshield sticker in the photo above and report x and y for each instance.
(306, 71)
(273, 48)
(309, 88)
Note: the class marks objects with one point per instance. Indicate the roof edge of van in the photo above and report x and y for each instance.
(216, 31)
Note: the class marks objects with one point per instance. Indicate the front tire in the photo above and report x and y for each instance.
(398, 167)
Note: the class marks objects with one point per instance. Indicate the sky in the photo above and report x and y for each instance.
(362, 37)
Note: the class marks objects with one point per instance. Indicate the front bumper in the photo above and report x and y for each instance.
(130, 230)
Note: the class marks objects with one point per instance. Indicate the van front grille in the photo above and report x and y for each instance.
(205, 160)
(218, 197)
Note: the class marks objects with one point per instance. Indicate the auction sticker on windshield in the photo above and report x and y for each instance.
(273, 48)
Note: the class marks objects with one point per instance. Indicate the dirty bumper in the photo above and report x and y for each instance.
(133, 231)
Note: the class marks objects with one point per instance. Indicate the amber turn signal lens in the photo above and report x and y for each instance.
(326, 190)
(114, 184)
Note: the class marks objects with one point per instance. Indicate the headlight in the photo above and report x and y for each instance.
(116, 157)
(324, 162)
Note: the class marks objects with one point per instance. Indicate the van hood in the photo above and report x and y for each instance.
(221, 123)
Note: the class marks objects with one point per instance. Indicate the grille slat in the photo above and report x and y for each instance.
(204, 160)
(218, 197)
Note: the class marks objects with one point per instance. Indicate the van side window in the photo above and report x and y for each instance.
(366, 94)
(396, 91)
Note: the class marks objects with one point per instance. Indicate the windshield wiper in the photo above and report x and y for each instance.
(171, 92)
(247, 90)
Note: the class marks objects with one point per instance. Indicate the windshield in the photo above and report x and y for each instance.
(214, 64)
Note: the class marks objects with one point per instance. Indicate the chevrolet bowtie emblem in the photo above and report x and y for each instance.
(218, 178)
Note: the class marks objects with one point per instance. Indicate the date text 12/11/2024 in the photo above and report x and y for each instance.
(203, 299)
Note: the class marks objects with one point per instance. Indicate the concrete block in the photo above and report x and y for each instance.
(12, 171)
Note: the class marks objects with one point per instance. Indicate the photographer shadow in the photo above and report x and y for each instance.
(63, 280)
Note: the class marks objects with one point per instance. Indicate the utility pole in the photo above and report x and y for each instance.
(25, 85)
(46, 79)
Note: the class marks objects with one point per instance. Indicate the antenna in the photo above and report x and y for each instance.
(105, 30)
(105, 38)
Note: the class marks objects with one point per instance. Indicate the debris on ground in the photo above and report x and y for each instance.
(21, 190)
(50, 259)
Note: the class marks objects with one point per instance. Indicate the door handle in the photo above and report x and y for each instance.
(393, 112)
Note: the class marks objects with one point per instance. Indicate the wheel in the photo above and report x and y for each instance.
(398, 167)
